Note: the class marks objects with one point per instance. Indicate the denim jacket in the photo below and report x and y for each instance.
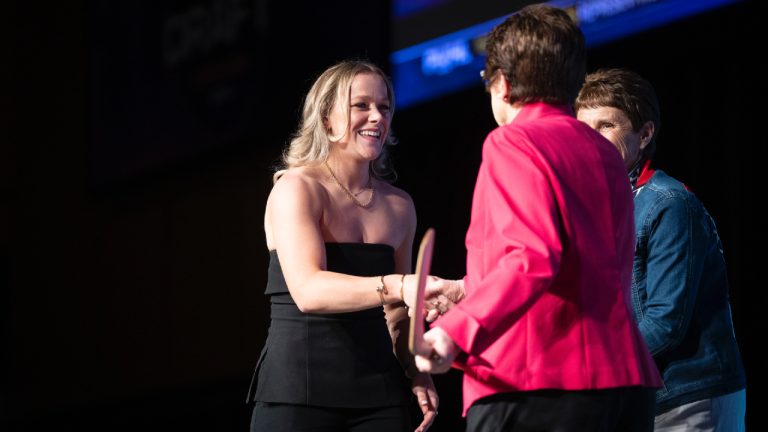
(680, 294)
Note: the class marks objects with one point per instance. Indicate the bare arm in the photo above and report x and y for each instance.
(294, 213)
(397, 314)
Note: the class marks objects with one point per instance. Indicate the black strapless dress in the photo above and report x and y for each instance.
(340, 360)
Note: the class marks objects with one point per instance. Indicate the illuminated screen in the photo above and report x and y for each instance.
(439, 44)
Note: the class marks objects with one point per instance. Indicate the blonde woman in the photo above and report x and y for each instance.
(340, 239)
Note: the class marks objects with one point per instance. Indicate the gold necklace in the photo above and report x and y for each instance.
(352, 196)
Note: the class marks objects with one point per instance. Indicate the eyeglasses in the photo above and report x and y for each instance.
(485, 80)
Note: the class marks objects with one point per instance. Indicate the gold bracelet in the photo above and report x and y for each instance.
(382, 289)
(402, 284)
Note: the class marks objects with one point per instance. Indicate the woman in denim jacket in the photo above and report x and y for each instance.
(679, 282)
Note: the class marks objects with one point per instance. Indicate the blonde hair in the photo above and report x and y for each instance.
(311, 143)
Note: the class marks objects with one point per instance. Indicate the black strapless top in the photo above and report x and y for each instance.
(342, 360)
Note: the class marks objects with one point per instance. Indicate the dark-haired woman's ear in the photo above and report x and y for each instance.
(646, 134)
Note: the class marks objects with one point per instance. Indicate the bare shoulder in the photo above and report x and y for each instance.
(296, 200)
(400, 205)
(298, 180)
(299, 185)
(396, 197)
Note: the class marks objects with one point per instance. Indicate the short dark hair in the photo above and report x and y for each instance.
(541, 52)
(626, 91)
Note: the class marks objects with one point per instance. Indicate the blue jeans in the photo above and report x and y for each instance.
(719, 414)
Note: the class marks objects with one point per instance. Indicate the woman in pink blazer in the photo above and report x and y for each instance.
(545, 335)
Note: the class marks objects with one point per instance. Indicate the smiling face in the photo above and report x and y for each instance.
(362, 133)
(623, 107)
(613, 124)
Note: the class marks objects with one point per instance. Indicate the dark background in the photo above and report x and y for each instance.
(131, 289)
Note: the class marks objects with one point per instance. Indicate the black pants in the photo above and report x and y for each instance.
(623, 409)
(273, 417)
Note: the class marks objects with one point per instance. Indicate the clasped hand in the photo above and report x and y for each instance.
(439, 297)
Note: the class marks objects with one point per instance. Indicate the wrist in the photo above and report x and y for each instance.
(381, 289)
(387, 289)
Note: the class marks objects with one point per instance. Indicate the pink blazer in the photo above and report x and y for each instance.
(549, 264)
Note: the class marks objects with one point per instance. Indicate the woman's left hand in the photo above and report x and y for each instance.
(426, 395)
(442, 295)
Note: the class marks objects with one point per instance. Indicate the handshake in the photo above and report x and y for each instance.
(440, 296)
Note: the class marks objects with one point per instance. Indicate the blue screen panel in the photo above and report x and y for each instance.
(453, 61)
